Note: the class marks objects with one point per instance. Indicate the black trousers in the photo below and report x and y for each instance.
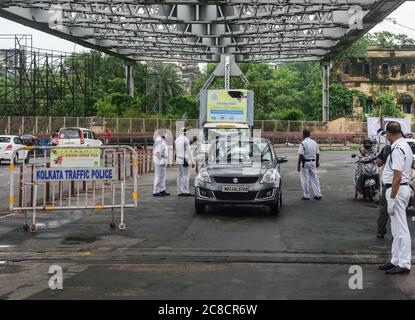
(383, 214)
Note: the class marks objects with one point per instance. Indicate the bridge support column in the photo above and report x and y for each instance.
(129, 78)
(326, 66)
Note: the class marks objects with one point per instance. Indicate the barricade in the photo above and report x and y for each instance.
(75, 178)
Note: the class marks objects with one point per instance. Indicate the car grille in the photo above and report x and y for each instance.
(235, 195)
(241, 180)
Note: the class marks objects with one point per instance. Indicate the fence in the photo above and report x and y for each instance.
(46, 125)
(68, 178)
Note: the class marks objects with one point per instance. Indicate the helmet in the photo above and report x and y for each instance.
(367, 144)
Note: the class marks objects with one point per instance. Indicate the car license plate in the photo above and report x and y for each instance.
(235, 189)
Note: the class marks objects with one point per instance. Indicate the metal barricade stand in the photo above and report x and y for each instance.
(75, 178)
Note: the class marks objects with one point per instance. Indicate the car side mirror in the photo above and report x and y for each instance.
(282, 159)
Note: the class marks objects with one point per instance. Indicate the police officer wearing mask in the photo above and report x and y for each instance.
(395, 178)
(308, 162)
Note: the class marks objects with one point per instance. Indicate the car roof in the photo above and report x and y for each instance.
(8, 136)
(79, 128)
(409, 139)
(250, 139)
(225, 125)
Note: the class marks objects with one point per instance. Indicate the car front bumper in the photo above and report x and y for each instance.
(258, 194)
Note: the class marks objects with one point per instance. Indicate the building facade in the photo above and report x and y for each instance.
(390, 69)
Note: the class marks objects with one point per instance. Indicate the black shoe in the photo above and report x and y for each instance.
(181, 194)
(165, 193)
(188, 195)
(387, 266)
(398, 270)
(318, 198)
(380, 236)
(304, 198)
(157, 194)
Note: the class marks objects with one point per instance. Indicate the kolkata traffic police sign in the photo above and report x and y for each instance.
(74, 174)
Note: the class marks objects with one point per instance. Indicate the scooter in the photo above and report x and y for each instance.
(366, 178)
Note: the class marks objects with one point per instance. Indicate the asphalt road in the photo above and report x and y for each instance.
(169, 252)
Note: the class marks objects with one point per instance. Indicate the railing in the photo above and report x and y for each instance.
(19, 125)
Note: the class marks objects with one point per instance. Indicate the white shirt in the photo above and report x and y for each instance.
(400, 159)
(183, 150)
(309, 149)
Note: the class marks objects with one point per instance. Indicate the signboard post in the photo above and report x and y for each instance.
(223, 106)
(75, 158)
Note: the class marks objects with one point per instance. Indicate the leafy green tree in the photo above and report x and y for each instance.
(385, 104)
(183, 106)
(289, 114)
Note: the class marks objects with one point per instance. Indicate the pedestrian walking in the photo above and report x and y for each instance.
(160, 159)
(107, 136)
(308, 162)
(184, 162)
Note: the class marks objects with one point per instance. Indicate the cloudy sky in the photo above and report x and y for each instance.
(404, 16)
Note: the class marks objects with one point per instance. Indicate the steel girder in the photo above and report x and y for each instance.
(200, 31)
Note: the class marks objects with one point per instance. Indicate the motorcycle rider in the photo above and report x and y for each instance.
(367, 150)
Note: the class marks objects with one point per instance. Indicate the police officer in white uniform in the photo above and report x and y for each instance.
(308, 162)
(395, 178)
(160, 158)
(184, 160)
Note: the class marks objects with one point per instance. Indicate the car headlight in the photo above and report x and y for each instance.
(204, 175)
(271, 176)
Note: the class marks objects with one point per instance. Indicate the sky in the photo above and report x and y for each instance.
(403, 15)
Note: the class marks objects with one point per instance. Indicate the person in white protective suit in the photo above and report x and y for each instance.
(308, 162)
(160, 158)
(395, 178)
(184, 162)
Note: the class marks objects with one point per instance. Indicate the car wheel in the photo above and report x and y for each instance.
(16, 159)
(26, 160)
(275, 207)
(200, 208)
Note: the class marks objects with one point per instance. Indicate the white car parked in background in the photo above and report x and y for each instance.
(77, 137)
(8, 144)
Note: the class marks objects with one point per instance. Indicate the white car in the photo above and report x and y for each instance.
(8, 144)
(411, 143)
(77, 137)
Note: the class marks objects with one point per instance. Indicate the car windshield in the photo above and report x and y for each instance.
(4, 139)
(234, 151)
(212, 133)
(70, 134)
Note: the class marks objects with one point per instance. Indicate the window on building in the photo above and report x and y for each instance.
(385, 69)
(366, 69)
(404, 70)
(368, 107)
(346, 68)
(407, 107)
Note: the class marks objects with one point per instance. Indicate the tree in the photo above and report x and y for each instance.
(183, 106)
(385, 104)
(289, 114)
